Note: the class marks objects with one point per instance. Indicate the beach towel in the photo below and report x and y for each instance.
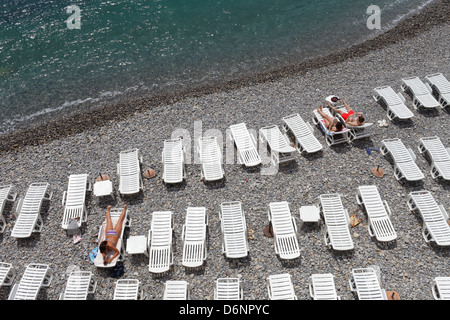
(93, 254)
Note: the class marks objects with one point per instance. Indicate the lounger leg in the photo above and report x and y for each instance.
(92, 286)
(9, 277)
(434, 172)
(411, 205)
(426, 235)
(48, 278)
(39, 224)
(327, 239)
(435, 292)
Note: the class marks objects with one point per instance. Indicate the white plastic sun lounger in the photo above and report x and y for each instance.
(337, 221)
(245, 145)
(28, 210)
(228, 289)
(35, 276)
(332, 137)
(284, 230)
(234, 230)
(420, 93)
(365, 282)
(7, 274)
(303, 134)
(129, 172)
(6, 194)
(278, 144)
(440, 86)
(280, 287)
(321, 287)
(194, 237)
(441, 288)
(356, 132)
(435, 218)
(173, 161)
(378, 213)
(74, 199)
(440, 156)
(393, 102)
(79, 285)
(405, 166)
(115, 214)
(128, 289)
(210, 157)
(160, 242)
(176, 290)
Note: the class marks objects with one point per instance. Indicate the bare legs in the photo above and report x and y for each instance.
(109, 224)
(328, 120)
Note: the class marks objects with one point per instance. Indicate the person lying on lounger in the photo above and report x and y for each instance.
(351, 118)
(112, 235)
(331, 123)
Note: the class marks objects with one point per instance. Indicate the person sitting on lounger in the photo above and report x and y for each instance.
(112, 235)
(351, 118)
(331, 123)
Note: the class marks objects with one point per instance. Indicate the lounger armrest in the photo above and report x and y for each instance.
(412, 154)
(12, 197)
(293, 222)
(253, 139)
(352, 284)
(309, 126)
(118, 169)
(89, 186)
(401, 96)
(19, 207)
(387, 207)
(433, 290)
(311, 293)
(182, 232)
(63, 201)
(428, 87)
(347, 216)
(448, 150)
(444, 213)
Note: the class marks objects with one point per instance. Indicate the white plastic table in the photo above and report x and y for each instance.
(103, 188)
(310, 214)
(137, 245)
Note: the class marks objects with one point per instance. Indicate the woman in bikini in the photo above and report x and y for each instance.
(350, 117)
(112, 235)
(332, 124)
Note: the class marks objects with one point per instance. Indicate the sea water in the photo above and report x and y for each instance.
(50, 65)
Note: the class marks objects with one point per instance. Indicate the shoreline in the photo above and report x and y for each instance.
(430, 16)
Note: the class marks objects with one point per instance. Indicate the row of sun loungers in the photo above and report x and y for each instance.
(234, 229)
(364, 282)
(431, 94)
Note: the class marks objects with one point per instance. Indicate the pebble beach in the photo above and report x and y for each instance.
(407, 266)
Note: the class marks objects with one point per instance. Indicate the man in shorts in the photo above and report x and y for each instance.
(350, 117)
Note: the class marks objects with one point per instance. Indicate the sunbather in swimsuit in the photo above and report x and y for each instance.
(351, 117)
(112, 235)
(332, 124)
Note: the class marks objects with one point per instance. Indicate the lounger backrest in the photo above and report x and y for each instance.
(76, 190)
(297, 125)
(389, 95)
(333, 210)
(227, 289)
(195, 224)
(173, 151)
(416, 85)
(78, 285)
(367, 284)
(126, 289)
(440, 82)
(31, 281)
(161, 228)
(372, 201)
(281, 287)
(33, 198)
(232, 217)
(209, 150)
(129, 162)
(241, 136)
(323, 286)
(4, 194)
(176, 290)
(427, 206)
(398, 150)
(275, 138)
(281, 219)
(436, 149)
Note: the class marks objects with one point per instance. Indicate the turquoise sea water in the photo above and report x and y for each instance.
(136, 47)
